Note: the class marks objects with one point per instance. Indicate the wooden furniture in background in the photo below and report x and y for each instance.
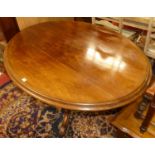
(24, 22)
(129, 126)
(137, 120)
(149, 100)
(149, 115)
(77, 66)
(138, 22)
(12, 25)
(149, 47)
(84, 19)
(142, 23)
(9, 27)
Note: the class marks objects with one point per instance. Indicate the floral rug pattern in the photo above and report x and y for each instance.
(24, 116)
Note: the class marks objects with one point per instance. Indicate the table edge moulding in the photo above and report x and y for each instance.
(80, 27)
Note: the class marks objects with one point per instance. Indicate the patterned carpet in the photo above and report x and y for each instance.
(23, 116)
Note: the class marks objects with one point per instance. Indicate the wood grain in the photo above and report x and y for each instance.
(76, 65)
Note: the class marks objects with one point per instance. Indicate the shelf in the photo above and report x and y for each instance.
(143, 20)
(151, 51)
(125, 32)
(146, 24)
(129, 22)
(150, 54)
(116, 20)
(107, 24)
(143, 27)
(152, 36)
(139, 19)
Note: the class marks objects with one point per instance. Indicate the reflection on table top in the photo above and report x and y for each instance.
(77, 65)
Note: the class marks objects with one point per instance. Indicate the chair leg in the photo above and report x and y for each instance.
(148, 117)
(142, 106)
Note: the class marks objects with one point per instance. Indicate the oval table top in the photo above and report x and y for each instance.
(77, 65)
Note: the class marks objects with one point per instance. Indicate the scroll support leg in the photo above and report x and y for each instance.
(64, 124)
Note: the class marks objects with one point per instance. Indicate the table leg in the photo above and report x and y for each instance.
(64, 124)
(148, 116)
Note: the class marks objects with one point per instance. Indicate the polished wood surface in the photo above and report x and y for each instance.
(76, 65)
(127, 123)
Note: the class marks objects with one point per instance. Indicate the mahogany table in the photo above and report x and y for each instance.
(77, 66)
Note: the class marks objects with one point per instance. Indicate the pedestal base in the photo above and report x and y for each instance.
(64, 124)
